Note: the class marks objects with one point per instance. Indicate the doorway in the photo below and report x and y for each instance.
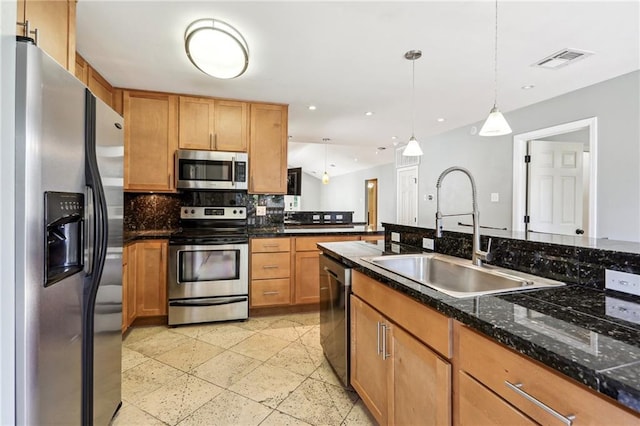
(371, 203)
(559, 189)
(407, 209)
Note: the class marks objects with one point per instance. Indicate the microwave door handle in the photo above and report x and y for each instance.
(233, 171)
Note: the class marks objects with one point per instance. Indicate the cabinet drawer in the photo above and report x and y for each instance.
(479, 406)
(266, 245)
(495, 366)
(309, 243)
(270, 292)
(426, 324)
(270, 265)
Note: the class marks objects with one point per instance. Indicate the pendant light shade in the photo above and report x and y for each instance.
(496, 124)
(216, 48)
(413, 147)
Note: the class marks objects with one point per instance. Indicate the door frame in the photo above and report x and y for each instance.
(520, 169)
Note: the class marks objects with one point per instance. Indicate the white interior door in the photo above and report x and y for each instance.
(407, 211)
(555, 193)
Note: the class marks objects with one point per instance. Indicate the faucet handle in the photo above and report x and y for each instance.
(489, 254)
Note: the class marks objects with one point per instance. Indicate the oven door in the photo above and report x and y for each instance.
(208, 270)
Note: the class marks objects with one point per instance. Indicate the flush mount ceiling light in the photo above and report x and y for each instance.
(216, 48)
(496, 124)
(413, 147)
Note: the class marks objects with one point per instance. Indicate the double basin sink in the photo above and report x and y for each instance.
(458, 277)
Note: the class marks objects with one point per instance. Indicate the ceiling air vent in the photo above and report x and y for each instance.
(562, 58)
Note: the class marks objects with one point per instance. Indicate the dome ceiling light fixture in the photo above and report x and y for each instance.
(413, 147)
(216, 48)
(496, 124)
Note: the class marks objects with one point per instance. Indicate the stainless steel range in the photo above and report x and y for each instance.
(208, 265)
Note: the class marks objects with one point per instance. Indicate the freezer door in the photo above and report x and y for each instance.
(49, 157)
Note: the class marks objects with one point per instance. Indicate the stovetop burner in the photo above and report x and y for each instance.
(211, 225)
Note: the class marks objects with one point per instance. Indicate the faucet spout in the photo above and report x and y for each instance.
(477, 256)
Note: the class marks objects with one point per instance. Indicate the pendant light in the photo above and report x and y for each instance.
(413, 147)
(495, 125)
(325, 175)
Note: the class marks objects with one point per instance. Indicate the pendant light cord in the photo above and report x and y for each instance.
(495, 62)
(413, 97)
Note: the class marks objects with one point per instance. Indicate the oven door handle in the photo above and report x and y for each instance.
(208, 302)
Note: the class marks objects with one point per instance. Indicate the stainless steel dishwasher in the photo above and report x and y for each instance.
(335, 289)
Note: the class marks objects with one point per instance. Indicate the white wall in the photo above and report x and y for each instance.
(310, 190)
(616, 104)
(347, 193)
(7, 189)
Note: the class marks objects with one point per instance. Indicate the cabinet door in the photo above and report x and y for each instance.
(268, 149)
(307, 286)
(368, 369)
(477, 405)
(82, 70)
(99, 86)
(55, 22)
(420, 381)
(231, 126)
(150, 140)
(151, 278)
(196, 123)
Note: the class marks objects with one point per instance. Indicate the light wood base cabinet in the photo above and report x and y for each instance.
(151, 278)
(270, 283)
(528, 387)
(129, 300)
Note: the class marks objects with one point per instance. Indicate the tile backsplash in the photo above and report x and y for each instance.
(147, 212)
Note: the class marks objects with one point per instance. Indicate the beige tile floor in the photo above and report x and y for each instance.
(263, 371)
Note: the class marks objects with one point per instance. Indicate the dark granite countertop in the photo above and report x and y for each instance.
(152, 234)
(302, 231)
(589, 335)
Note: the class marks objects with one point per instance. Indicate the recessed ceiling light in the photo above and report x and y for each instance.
(440, 120)
(368, 113)
(312, 107)
(355, 159)
(527, 87)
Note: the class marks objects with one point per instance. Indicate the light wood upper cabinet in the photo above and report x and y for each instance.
(82, 69)
(211, 124)
(56, 25)
(100, 87)
(268, 149)
(150, 140)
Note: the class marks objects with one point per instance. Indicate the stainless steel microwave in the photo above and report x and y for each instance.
(211, 170)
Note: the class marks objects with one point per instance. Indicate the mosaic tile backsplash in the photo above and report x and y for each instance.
(148, 212)
(570, 264)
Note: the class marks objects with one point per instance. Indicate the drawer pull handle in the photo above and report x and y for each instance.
(270, 245)
(270, 293)
(270, 267)
(517, 388)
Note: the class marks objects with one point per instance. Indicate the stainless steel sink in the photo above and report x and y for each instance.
(458, 277)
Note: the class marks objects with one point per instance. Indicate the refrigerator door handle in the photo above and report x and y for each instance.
(90, 231)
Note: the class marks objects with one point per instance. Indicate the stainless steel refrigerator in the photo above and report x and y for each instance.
(69, 168)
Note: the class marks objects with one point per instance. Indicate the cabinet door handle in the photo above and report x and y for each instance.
(270, 267)
(378, 338)
(385, 355)
(270, 293)
(517, 388)
(28, 32)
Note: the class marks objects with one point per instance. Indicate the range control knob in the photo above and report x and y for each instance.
(186, 211)
(193, 211)
(235, 212)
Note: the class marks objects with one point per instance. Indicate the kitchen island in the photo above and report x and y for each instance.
(573, 332)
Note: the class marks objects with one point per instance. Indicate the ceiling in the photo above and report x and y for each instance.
(347, 58)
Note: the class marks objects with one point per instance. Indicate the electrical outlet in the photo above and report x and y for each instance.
(395, 237)
(427, 243)
(622, 309)
(622, 281)
(261, 210)
(395, 248)
(495, 197)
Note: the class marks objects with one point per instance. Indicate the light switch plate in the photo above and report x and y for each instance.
(261, 210)
(395, 248)
(622, 281)
(495, 197)
(427, 243)
(395, 237)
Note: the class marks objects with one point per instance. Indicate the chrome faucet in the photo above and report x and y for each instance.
(477, 256)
